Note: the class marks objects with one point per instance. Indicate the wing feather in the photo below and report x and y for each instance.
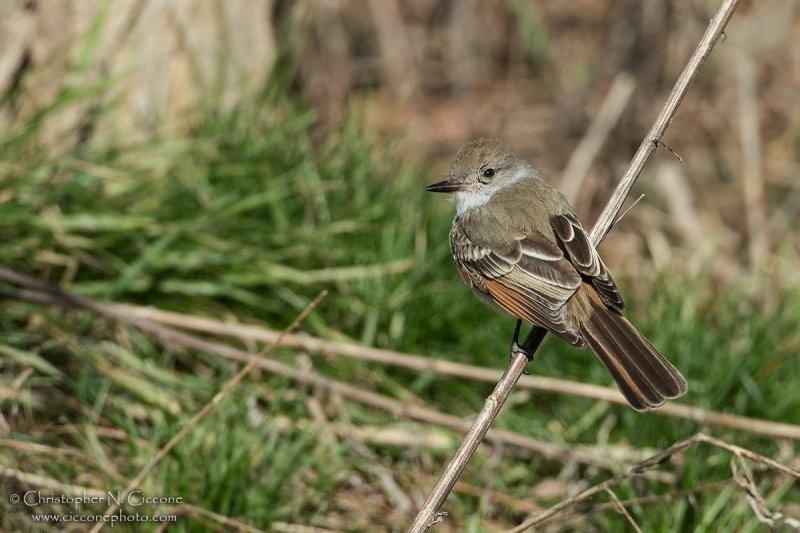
(534, 275)
(529, 278)
(585, 258)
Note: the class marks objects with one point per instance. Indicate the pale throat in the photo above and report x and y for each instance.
(466, 200)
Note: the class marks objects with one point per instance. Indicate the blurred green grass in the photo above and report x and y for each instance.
(250, 217)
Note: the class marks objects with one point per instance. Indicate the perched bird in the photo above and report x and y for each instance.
(518, 245)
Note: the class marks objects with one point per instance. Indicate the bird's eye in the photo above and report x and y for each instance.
(489, 172)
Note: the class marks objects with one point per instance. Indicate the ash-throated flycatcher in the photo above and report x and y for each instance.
(518, 245)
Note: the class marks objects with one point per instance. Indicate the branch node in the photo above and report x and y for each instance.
(659, 142)
(439, 517)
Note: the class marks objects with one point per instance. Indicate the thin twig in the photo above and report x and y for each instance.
(622, 510)
(652, 462)
(61, 454)
(645, 500)
(495, 497)
(32, 447)
(669, 496)
(663, 120)
(659, 142)
(50, 483)
(744, 452)
(619, 218)
(587, 455)
(283, 527)
(417, 363)
(429, 512)
(757, 502)
(193, 511)
(205, 410)
(393, 406)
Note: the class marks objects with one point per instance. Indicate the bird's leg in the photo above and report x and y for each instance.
(515, 347)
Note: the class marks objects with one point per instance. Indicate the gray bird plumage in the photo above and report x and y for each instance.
(519, 246)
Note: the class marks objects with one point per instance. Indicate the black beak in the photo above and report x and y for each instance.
(448, 185)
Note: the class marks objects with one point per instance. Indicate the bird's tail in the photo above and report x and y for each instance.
(643, 375)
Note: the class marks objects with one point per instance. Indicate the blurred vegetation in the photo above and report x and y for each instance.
(260, 206)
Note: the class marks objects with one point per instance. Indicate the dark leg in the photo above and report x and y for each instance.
(515, 338)
(534, 339)
(515, 347)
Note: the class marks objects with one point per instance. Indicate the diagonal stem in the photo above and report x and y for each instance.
(429, 513)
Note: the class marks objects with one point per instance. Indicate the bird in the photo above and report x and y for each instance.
(517, 243)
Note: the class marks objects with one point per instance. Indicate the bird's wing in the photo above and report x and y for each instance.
(583, 256)
(531, 278)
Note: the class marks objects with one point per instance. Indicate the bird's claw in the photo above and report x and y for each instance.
(516, 349)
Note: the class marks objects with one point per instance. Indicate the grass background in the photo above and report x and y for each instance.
(246, 218)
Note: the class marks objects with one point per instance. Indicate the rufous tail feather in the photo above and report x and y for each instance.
(643, 375)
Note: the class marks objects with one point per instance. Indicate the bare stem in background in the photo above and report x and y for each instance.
(653, 462)
(615, 103)
(752, 179)
(206, 409)
(714, 30)
(429, 513)
(395, 46)
(417, 363)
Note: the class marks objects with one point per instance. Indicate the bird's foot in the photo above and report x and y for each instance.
(517, 349)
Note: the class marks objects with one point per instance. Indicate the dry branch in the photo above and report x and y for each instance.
(622, 510)
(595, 456)
(251, 363)
(652, 462)
(428, 514)
(283, 527)
(194, 511)
(49, 483)
(581, 160)
(755, 499)
(420, 363)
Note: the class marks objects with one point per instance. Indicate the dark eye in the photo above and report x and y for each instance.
(489, 172)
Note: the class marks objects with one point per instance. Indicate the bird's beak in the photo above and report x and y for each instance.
(448, 185)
